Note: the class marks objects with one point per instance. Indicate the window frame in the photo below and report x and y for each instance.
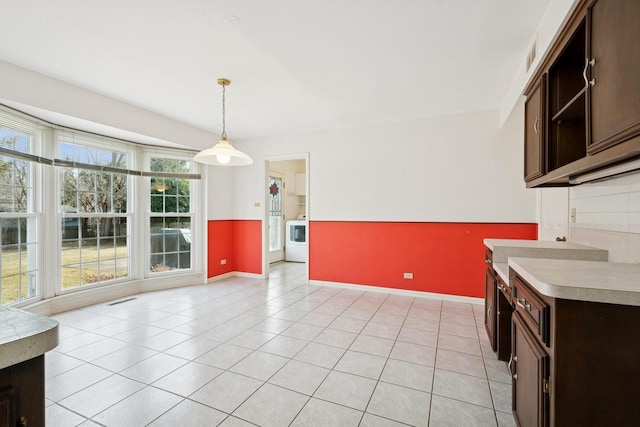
(31, 215)
(93, 142)
(192, 213)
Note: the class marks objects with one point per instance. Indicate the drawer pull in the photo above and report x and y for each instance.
(588, 82)
(511, 360)
(523, 303)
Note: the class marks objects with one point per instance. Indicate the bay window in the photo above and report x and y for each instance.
(88, 211)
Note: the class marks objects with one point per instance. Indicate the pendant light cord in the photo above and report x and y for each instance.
(224, 132)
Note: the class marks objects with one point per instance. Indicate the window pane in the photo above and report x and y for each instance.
(18, 262)
(15, 140)
(170, 244)
(170, 195)
(94, 250)
(15, 188)
(90, 155)
(84, 190)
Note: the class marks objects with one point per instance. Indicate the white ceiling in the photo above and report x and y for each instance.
(295, 65)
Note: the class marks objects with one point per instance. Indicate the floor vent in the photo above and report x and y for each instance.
(120, 302)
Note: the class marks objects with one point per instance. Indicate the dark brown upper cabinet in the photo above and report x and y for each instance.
(534, 129)
(567, 100)
(614, 72)
(590, 103)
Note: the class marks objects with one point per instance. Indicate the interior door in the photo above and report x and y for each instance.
(276, 217)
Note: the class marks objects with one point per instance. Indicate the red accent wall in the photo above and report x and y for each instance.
(237, 241)
(247, 246)
(445, 258)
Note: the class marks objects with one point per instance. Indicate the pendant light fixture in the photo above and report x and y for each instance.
(223, 153)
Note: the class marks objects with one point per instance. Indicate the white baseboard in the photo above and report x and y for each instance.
(250, 275)
(234, 274)
(99, 294)
(395, 291)
(96, 295)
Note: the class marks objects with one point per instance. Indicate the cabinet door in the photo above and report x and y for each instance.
(490, 316)
(614, 96)
(503, 323)
(534, 153)
(530, 369)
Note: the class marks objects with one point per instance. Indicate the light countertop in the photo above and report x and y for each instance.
(503, 249)
(502, 269)
(593, 281)
(24, 335)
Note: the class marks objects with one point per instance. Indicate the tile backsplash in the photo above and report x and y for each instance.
(607, 215)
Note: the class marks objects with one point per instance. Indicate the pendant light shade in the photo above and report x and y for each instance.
(223, 153)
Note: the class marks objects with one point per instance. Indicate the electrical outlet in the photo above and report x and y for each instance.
(223, 261)
(408, 275)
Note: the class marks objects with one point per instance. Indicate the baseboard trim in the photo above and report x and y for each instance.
(396, 291)
(100, 294)
(234, 274)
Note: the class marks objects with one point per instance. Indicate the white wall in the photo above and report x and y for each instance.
(607, 215)
(456, 168)
(219, 193)
(100, 113)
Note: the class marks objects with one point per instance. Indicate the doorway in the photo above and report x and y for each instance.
(286, 194)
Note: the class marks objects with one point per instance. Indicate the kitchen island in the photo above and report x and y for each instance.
(575, 342)
(498, 303)
(24, 339)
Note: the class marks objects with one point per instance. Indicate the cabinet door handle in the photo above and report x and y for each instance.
(588, 82)
(535, 125)
(523, 303)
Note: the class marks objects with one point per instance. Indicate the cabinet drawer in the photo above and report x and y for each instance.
(534, 311)
(505, 289)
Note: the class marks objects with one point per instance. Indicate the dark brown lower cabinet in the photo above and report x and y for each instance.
(529, 367)
(490, 314)
(574, 363)
(22, 394)
(503, 322)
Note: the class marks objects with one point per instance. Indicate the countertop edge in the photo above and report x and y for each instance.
(502, 268)
(610, 296)
(30, 344)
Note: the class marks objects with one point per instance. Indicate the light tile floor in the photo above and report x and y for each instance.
(244, 352)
